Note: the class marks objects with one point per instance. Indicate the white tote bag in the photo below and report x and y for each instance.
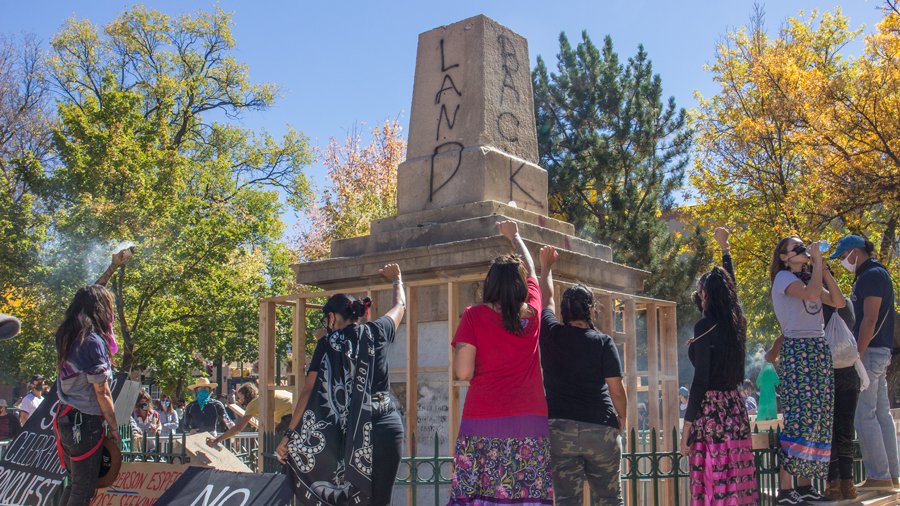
(843, 346)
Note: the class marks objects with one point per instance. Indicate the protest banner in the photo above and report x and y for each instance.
(210, 487)
(139, 484)
(30, 473)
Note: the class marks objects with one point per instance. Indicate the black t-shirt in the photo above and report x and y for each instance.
(576, 363)
(383, 333)
(873, 280)
(705, 344)
(211, 417)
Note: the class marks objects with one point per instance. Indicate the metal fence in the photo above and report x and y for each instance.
(653, 470)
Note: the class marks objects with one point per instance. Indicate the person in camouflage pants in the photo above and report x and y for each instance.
(582, 452)
(586, 399)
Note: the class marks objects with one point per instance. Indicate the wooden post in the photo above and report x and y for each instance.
(453, 392)
(629, 320)
(670, 367)
(631, 371)
(412, 367)
(412, 379)
(373, 311)
(607, 315)
(267, 332)
(653, 390)
(298, 348)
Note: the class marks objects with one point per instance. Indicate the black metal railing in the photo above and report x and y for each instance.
(653, 470)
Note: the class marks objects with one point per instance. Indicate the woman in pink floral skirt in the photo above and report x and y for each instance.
(503, 449)
(716, 435)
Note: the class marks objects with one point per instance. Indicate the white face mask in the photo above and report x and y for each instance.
(848, 265)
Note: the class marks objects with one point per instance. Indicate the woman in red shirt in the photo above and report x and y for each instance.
(503, 449)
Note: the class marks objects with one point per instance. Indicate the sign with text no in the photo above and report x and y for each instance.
(210, 487)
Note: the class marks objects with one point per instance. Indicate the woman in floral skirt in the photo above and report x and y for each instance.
(807, 374)
(716, 435)
(503, 449)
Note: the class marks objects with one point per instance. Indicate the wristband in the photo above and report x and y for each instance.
(397, 282)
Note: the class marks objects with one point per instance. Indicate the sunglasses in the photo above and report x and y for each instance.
(798, 249)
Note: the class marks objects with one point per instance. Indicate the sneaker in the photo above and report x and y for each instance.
(810, 494)
(788, 497)
(876, 485)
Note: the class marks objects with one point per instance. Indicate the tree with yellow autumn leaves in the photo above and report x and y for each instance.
(800, 139)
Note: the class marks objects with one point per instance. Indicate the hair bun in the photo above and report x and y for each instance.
(360, 308)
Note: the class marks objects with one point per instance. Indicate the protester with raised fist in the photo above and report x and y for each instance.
(503, 448)
(347, 435)
(86, 415)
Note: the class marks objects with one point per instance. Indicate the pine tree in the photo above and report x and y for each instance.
(616, 154)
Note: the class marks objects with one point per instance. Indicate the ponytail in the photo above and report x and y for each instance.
(577, 302)
(347, 306)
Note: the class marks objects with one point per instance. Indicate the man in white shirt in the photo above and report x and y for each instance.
(33, 399)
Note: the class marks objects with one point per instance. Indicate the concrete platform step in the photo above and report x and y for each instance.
(864, 499)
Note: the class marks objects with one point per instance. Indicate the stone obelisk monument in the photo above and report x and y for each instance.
(472, 160)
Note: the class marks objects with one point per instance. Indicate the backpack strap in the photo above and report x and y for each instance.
(697, 338)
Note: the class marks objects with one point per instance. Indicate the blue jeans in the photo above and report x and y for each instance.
(874, 423)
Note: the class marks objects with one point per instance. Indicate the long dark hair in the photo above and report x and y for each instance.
(577, 302)
(777, 264)
(91, 311)
(722, 307)
(506, 284)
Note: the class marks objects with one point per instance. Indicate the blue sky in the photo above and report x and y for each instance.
(345, 63)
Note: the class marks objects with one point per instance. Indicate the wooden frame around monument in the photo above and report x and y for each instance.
(617, 317)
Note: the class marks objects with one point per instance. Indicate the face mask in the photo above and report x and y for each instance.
(202, 397)
(165, 404)
(847, 265)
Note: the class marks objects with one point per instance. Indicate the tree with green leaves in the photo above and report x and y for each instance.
(145, 152)
(616, 154)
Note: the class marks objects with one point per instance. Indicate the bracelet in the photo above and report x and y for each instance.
(397, 282)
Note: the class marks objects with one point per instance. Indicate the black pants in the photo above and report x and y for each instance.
(387, 445)
(82, 473)
(846, 393)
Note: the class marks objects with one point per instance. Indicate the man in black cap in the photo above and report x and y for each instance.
(873, 304)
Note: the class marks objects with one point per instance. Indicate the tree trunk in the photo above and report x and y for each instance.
(888, 239)
(125, 332)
